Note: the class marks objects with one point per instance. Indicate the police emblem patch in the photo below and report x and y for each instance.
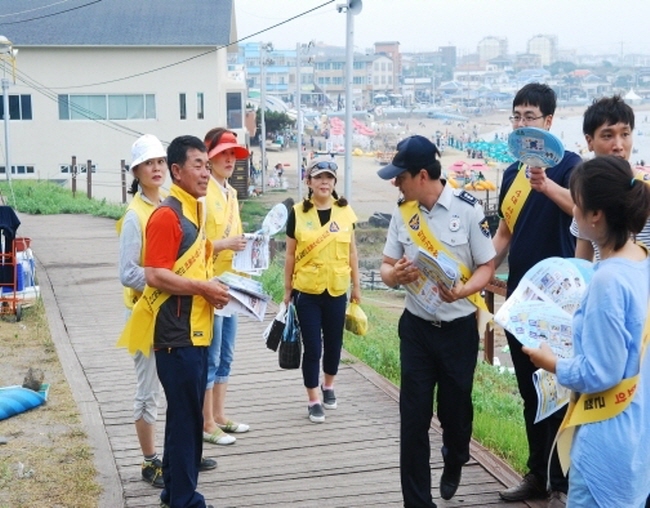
(454, 223)
(414, 222)
(485, 227)
(334, 227)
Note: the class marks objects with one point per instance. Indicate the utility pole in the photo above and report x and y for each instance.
(123, 178)
(298, 119)
(7, 54)
(352, 7)
(299, 124)
(263, 48)
(5, 105)
(73, 171)
(89, 178)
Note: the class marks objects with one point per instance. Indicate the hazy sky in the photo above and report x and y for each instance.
(590, 26)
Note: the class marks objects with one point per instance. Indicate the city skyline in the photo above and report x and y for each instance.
(586, 26)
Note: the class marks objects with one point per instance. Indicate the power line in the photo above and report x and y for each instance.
(49, 15)
(143, 73)
(32, 10)
(52, 95)
(88, 114)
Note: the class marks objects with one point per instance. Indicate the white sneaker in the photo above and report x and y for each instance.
(219, 437)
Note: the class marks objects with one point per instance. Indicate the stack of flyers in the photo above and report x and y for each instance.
(433, 271)
(541, 309)
(246, 296)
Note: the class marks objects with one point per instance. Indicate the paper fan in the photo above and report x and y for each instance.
(537, 148)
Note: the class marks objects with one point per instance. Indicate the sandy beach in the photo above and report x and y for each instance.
(370, 194)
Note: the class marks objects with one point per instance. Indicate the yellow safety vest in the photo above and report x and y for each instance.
(222, 221)
(323, 252)
(195, 263)
(143, 210)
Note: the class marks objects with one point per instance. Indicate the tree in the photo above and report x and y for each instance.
(275, 122)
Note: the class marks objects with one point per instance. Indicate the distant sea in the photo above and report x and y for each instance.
(568, 127)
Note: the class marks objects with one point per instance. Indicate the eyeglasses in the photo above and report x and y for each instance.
(325, 165)
(526, 118)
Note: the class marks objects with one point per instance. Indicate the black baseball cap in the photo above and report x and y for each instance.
(414, 152)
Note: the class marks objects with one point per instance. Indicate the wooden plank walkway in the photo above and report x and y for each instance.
(349, 461)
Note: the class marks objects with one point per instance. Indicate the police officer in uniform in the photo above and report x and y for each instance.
(438, 347)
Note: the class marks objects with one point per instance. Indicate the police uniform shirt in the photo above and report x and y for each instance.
(457, 220)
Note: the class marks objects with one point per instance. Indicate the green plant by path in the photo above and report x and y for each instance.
(47, 198)
(498, 418)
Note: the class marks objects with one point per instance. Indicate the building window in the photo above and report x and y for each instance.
(182, 103)
(200, 113)
(107, 107)
(20, 107)
(20, 169)
(234, 110)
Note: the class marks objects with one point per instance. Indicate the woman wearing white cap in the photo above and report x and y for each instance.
(223, 226)
(149, 167)
(321, 261)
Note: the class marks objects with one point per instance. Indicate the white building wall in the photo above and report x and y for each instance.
(46, 142)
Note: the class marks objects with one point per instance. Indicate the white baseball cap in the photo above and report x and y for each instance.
(146, 147)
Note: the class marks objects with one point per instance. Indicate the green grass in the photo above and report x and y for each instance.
(47, 198)
(252, 214)
(498, 418)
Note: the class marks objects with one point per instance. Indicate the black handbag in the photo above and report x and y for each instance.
(290, 350)
(274, 331)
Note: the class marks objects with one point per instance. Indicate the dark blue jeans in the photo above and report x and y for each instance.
(183, 373)
(322, 318)
(440, 361)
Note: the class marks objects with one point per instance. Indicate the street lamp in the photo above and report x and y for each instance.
(264, 47)
(351, 7)
(7, 54)
(300, 48)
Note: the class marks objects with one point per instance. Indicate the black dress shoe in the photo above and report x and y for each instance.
(207, 464)
(531, 487)
(449, 481)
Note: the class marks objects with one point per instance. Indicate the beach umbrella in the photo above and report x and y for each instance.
(459, 167)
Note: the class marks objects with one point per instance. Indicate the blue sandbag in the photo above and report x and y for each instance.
(16, 399)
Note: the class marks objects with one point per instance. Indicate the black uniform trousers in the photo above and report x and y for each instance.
(438, 355)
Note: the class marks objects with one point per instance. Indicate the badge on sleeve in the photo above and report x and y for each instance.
(414, 222)
(454, 223)
(485, 227)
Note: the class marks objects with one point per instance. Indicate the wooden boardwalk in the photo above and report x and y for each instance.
(349, 461)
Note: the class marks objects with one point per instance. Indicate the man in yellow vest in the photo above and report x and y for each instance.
(175, 315)
(535, 207)
(438, 346)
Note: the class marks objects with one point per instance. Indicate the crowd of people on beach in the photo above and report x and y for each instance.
(174, 246)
